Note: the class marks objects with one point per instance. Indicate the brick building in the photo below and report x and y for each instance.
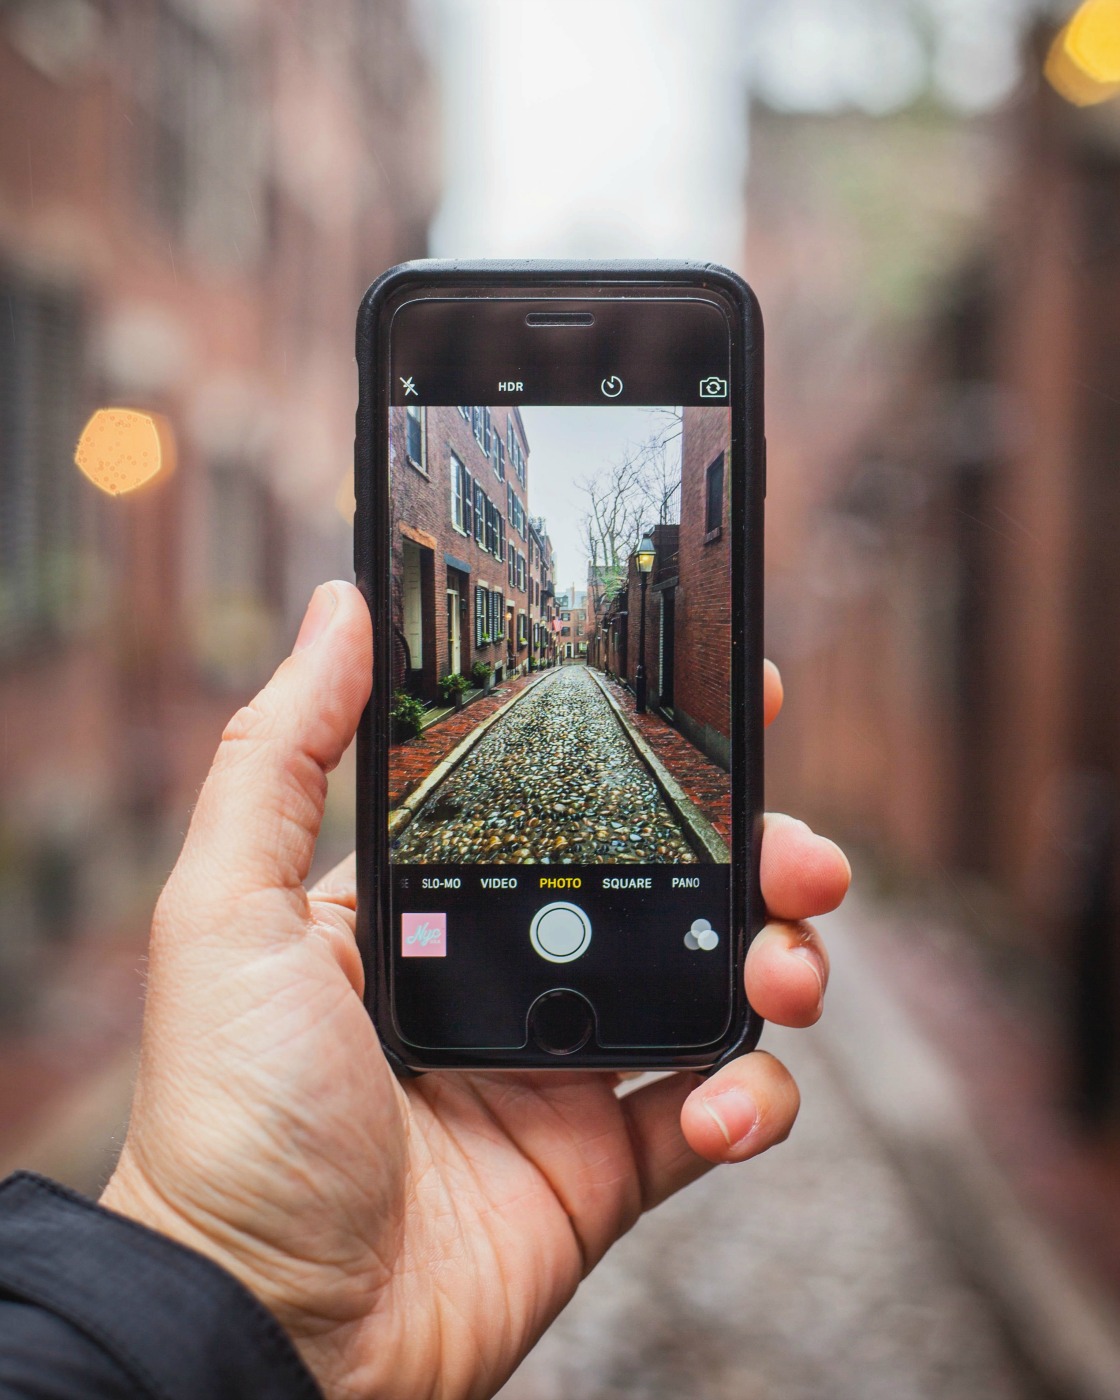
(542, 602)
(572, 615)
(687, 656)
(192, 200)
(462, 583)
(700, 603)
(945, 569)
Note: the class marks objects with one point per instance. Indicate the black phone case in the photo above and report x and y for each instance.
(371, 466)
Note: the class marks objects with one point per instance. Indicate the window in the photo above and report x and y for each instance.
(510, 440)
(479, 515)
(486, 431)
(516, 512)
(476, 424)
(459, 506)
(41, 537)
(498, 457)
(481, 616)
(414, 437)
(511, 570)
(522, 629)
(497, 617)
(466, 413)
(491, 528)
(713, 495)
(501, 535)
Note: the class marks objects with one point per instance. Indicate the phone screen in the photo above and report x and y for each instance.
(561, 520)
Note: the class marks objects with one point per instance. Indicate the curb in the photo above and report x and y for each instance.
(705, 839)
(1064, 1324)
(400, 816)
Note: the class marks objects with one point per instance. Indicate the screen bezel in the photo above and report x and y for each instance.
(490, 285)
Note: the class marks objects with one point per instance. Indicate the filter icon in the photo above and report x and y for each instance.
(701, 936)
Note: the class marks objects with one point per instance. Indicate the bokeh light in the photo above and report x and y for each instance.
(121, 449)
(1083, 64)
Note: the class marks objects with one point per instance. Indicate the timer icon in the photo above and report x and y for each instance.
(612, 387)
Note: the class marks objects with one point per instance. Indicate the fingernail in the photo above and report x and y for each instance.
(319, 612)
(810, 956)
(734, 1113)
(844, 858)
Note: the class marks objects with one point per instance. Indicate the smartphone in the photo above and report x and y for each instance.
(559, 484)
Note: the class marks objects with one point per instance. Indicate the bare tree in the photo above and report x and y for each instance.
(640, 489)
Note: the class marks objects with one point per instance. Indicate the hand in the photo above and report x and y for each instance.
(414, 1238)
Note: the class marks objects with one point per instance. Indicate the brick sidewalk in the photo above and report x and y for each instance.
(704, 783)
(1003, 1043)
(411, 762)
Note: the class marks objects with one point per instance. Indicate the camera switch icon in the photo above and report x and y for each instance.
(701, 937)
(713, 387)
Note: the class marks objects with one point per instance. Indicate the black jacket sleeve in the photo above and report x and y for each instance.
(95, 1305)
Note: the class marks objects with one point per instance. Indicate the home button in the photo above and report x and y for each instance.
(561, 1022)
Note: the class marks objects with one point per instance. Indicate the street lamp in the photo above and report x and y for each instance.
(644, 560)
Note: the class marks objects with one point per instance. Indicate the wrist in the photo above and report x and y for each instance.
(131, 1193)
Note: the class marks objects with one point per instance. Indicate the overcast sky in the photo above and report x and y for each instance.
(566, 446)
(591, 128)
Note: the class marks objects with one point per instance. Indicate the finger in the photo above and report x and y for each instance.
(772, 692)
(259, 811)
(787, 973)
(748, 1106)
(665, 1162)
(802, 874)
(340, 885)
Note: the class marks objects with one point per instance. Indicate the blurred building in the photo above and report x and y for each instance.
(944, 425)
(192, 198)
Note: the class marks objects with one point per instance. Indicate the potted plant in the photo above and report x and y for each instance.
(407, 716)
(451, 688)
(482, 673)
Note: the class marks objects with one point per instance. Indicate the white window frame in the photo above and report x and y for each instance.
(458, 484)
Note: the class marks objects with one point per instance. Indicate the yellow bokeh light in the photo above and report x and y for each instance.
(1083, 64)
(122, 448)
(1093, 40)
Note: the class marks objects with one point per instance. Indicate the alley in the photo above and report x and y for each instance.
(555, 780)
(808, 1274)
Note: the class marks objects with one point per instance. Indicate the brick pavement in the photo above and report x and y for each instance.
(704, 783)
(411, 762)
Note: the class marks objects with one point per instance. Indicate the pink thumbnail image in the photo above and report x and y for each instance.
(424, 935)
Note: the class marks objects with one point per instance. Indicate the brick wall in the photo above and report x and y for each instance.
(421, 506)
(702, 682)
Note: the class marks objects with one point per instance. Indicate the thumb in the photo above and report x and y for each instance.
(258, 815)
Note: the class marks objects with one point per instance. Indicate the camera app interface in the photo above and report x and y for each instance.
(560, 712)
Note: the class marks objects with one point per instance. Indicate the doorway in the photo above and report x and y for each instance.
(454, 630)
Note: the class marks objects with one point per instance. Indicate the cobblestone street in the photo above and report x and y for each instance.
(556, 781)
(808, 1274)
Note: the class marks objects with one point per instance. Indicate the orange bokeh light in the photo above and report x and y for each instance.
(123, 448)
(1083, 64)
